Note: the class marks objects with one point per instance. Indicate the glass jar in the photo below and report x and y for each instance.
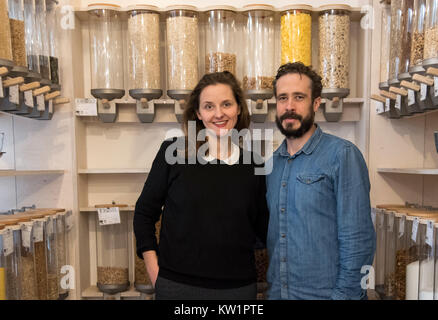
(259, 53)
(18, 41)
(2, 266)
(51, 257)
(406, 38)
(395, 51)
(427, 259)
(112, 256)
(106, 51)
(61, 252)
(400, 256)
(296, 34)
(41, 25)
(182, 47)
(52, 22)
(384, 45)
(334, 46)
(380, 251)
(220, 39)
(32, 39)
(5, 35)
(412, 258)
(417, 45)
(431, 34)
(144, 47)
(390, 255)
(29, 289)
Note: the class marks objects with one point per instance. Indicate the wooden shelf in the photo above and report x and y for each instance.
(417, 171)
(114, 171)
(94, 292)
(94, 210)
(12, 173)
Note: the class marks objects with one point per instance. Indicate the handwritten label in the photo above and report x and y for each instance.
(415, 224)
(401, 226)
(86, 107)
(26, 232)
(38, 228)
(108, 216)
(14, 95)
(423, 92)
(391, 222)
(69, 221)
(380, 108)
(387, 104)
(429, 233)
(8, 242)
(2, 94)
(411, 97)
(398, 102)
(41, 106)
(28, 98)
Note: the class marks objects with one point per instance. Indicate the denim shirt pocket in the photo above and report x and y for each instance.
(310, 178)
(311, 191)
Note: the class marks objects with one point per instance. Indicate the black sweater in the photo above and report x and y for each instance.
(212, 214)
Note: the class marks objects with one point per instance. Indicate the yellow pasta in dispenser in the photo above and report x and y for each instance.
(2, 284)
(296, 37)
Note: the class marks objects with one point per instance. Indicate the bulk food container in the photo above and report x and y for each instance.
(2, 266)
(33, 40)
(220, 39)
(296, 34)
(406, 38)
(401, 246)
(106, 51)
(144, 52)
(44, 54)
(395, 53)
(259, 51)
(334, 47)
(53, 26)
(6, 58)
(384, 47)
(29, 290)
(431, 35)
(417, 45)
(380, 251)
(182, 43)
(390, 252)
(112, 255)
(61, 251)
(18, 41)
(51, 256)
(427, 262)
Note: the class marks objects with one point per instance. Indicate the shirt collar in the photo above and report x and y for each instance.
(232, 159)
(308, 147)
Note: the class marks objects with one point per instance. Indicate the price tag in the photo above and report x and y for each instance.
(415, 224)
(373, 216)
(26, 232)
(435, 86)
(401, 226)
(2, 94)
(28, 98)
(391, 222)
(50, 106)
(41, 106)
(69, 221)
(13, 94)
(423, 92)
(38, 231)
(398, 102)
(429, 233)
(86, 107)
(8, 242)
(387, 104)
(411, 97)
(380, 108)
(108, 216)
(381, 220)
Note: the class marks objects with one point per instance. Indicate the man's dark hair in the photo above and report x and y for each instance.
(300, 68)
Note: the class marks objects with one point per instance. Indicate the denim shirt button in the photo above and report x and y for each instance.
(283, 210)
(283, 235)
(284, 184)
(283, 259)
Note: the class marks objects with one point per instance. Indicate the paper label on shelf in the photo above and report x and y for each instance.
(2, 94)
(69, 221)
(398, 102)
(41, 106)
(423, 92)
(50, 106)
(401, 226)
(381, 220)
(391, 222)
(429, 233)
(435, 86)
(26, 232)
(415, 224)
(28, 98)
(373, 216)
(108, 216)
(387, 104)
(8, 242)
(38, 228)
(411, 97)
(86, 107)
(380, 108)
(13, 94)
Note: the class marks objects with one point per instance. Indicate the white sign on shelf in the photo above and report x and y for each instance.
(380, 108)
(423, 91)
(8, 242)
(86, 107)
(26, 232)
(429, 233)
(14, 94)
(28, 98)
(398, 102)
(108, 216)
(435, 86)
(387, 104)
(415, 224)
(411, 97)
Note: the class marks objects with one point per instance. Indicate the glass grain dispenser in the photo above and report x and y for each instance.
(18, 41)
(412, 258)
(431, 35)
(220, 39)
(44, 55)
(395, 53)
(106, 52)
(182, 43)
(406, 38)
(29, 289)
(144, 58)
(384, 47)
(418, 33)
(427, 263)
(390, 244)
(112, 253)
(401, 243)
(380, 251)
(296, 34)
(52, 27)
(334, 57)
(12, 257)
(61, 252)
(33, 40)
(51, 257)
(6, 57)
(2, 266)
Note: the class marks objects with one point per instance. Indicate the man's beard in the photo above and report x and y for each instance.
(306, 124)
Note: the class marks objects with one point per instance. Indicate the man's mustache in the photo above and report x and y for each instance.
(291, 115)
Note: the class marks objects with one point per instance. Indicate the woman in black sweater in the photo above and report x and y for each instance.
(212, 203)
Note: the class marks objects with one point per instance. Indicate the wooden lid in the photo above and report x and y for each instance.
(296, 7)
(265, 7)
(41, 212)
(181, 7)
(326, 7)
(110, 205)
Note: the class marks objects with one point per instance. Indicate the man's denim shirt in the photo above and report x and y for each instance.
(320, 231)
